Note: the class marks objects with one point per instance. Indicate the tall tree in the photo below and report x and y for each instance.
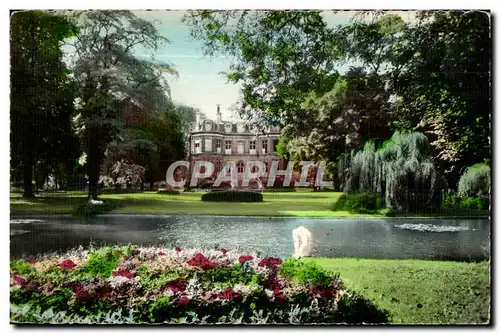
(108, 73)
(42, 92)
(445, 89)
(279, 57)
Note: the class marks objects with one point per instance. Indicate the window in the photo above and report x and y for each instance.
(228, 127)
(275, 144)
(208, 145)
(241, 147)
(228, 144)
(252, 144)
(197, 148)
(264, 146)
(218, 143)
(240, 166)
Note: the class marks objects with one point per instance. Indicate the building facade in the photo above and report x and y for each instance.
(220, 141)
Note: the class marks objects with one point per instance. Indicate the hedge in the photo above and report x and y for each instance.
(232, 196)
(359, 203)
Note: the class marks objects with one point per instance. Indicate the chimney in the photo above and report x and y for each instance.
(198, 118)
(219, 116)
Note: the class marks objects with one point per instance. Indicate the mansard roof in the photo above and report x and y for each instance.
(208, 125)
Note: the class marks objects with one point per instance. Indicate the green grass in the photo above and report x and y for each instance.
(295, 204)
(302, 203)
(447, 292)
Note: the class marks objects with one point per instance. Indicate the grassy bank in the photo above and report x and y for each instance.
(415, 291)
(294, 204)
(286, 204)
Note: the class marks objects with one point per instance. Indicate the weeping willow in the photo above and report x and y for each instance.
(400, 169)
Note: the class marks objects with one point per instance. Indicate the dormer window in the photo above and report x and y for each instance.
(228, 127)
(208, 126)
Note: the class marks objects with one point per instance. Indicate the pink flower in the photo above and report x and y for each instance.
(124, 272)
(67, 264)
(177, 249)
(225, 263)
(200, 261)
(177, 285)
(270, 262)
(161, 253)
(136, 252)
(230, 294)
(224, 251)
(19, 280)
(183, 301)
(31, 261)
(245, 258)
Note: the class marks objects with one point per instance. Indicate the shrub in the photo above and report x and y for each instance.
(89, 210)
(359, 203)
(232, 196)
(174, 286)
(475, 182)
(451, 201)
(168, 192)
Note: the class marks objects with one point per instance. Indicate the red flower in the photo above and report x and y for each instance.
(200, 261)
(273, 284)
(280, 299)
(80, 292)
(230, 294)
(67, 264)
(177, 285)
(31, 261)
(124, 272)
(183, 301)
(224, 251)
(323, 292)
(270, 262)
(245, 258)
(177, 249)
(19, 280)
(136, 252)
(161, 253)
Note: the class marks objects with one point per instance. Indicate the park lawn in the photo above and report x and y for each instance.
(419, 291)
(291, 204)
(302, 203)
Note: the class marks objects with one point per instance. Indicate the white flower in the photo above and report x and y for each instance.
(117, 281)
(269, 293)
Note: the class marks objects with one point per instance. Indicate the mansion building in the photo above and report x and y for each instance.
(220, 141)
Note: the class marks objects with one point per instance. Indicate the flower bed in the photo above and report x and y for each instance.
(159, 285)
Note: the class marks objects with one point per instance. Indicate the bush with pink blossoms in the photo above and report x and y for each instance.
(163, 285)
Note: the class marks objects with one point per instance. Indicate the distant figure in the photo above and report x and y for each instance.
(93, 201)
(303, 242)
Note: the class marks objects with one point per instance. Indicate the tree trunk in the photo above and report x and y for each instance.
(93, 164)
(28, 176)
(142, 185)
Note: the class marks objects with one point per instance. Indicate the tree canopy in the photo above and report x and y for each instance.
(336, 87)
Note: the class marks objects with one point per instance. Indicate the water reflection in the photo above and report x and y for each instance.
(367, 238)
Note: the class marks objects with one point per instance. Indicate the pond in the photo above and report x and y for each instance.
(446, 239)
